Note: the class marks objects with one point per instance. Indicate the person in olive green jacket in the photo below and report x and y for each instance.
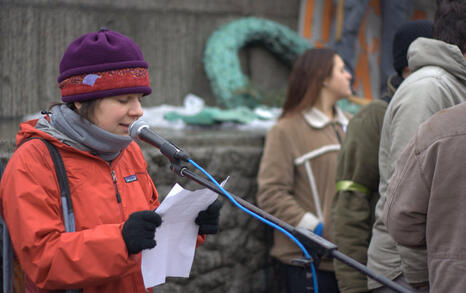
(358, 168)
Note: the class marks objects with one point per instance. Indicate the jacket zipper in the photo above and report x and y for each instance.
(118, 197)
(337, 133)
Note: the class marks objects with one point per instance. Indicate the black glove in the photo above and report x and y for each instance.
(139, 230)
(208, 219)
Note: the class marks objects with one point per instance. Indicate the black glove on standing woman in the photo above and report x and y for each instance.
(208, 219)
(139, 230)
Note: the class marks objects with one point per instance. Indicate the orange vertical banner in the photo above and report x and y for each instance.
(327, 20)
(361, 73)
(308, 17)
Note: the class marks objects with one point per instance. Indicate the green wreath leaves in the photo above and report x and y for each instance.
(231, 87)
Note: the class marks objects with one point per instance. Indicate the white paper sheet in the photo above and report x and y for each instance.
(177, 235)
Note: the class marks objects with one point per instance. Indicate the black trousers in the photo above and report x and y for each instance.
(295, 279)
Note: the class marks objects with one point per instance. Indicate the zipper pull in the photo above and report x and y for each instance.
(118, 197)
(113, 176)
(335, 128)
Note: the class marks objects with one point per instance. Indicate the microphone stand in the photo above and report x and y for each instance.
(316, 245)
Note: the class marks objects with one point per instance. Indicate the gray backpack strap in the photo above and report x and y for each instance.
(68, 217)
(67, 205)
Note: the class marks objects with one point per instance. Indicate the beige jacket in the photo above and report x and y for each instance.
(284, 184)
(426, 203)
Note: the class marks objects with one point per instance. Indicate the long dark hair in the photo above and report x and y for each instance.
(306, 80)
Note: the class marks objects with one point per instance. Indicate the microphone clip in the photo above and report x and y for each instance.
(172, 152)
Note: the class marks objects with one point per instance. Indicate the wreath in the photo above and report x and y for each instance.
(231, 87)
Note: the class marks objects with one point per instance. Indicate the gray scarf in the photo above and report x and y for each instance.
(67, 126)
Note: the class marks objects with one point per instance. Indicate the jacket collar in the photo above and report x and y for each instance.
(315, 118)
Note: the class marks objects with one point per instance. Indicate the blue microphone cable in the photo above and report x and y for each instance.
(288, 234)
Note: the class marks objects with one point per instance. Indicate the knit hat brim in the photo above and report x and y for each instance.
(108, 93)
(97, 85)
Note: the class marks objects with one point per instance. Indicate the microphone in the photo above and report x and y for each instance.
(140, 130)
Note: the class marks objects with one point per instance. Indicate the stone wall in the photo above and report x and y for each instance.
(236, 259)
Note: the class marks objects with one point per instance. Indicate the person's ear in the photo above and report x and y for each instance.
(405, 72)
(78, 105)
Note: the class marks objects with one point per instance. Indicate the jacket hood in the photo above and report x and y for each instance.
(430, 52)
(36, 128)
(28, 129)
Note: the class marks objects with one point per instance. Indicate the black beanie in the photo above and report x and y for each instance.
(405, 35)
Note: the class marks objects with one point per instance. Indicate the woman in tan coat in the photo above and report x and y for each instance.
(297, 173)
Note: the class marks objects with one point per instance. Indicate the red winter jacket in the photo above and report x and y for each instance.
(94, 257)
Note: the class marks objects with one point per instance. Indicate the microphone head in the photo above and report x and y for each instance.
(135, 128)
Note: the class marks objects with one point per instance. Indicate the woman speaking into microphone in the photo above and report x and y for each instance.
(103, 77)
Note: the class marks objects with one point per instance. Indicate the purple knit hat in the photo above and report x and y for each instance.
(102, 64)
